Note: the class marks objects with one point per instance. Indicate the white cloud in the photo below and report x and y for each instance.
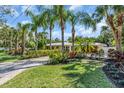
(25, 21)
(73, 7)
(81, 31)
(102, 23)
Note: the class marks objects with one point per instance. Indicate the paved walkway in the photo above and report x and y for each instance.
(9, 70)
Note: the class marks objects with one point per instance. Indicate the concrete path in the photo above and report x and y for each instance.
(9, 70)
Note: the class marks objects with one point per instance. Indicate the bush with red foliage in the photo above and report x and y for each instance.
(111, 53)
(116, 55)
(119, 56)
(72, 54)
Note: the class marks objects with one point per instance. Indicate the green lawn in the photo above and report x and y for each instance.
(4, 57)
(86, 74)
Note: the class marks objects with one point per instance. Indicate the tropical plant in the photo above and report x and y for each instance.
(113, 15)
(73, 19)
(24, 28)
(61, 15)
(58, 57)
(50, 19)
(34, 25)
(39, 53)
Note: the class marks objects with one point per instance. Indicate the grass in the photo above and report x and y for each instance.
(83, 74)
(4, 57)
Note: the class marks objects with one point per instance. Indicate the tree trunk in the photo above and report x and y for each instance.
(23, 43)
(50, 37)
(36, 40)
(62, 30)
(73, 37)
(119, 39)
(117, 33)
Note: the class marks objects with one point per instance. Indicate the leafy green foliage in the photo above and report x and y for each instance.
(38, 53)
(105, 36)
(58, 57)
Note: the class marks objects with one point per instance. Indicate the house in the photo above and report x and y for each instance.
(68, 46)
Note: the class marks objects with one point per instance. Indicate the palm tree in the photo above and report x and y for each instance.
(73, 18)
(50, 19)
(113, 15)
(87, 21)
(23, 28)
(34, 25)
(61, 15)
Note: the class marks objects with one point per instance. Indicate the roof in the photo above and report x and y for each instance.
(59, 44)
(70, 44)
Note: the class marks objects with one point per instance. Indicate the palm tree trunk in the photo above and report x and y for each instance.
(117, 34)
(50, 37)
(36, 40)
(73, 37)
(119, 39)
(62, 30)
(23, 43)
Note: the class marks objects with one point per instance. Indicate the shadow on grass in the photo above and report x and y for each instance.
(87, 75)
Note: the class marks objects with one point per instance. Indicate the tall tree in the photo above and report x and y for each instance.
(73, 19)
(113, 15)
(50, 19)
(24, 28)
(61, 15)
(34, 25)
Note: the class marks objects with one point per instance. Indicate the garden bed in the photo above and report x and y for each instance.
(114, 75)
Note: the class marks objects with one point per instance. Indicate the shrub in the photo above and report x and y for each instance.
(89, 49)
(111, 53)
(39, 53)
(72, 54)
(58, 57)
(119, 56)
(15, 52)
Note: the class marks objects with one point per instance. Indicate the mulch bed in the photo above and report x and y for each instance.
(114, 75)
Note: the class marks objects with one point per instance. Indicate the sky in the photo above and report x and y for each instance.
(80, 29)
